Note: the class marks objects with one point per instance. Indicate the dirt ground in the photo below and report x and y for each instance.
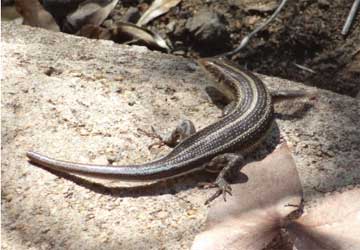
(78, 99)
(83, 100)
(306, 33)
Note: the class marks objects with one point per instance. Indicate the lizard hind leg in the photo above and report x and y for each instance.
(183, 130)
(227, 165)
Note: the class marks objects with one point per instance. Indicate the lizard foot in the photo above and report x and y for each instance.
(180, 133)
(223, 188)
(153, 134)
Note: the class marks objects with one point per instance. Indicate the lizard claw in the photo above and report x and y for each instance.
(153, 134)
(158, 144)
(206, 185)
(223, 188)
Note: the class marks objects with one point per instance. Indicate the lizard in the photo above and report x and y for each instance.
(219, 147)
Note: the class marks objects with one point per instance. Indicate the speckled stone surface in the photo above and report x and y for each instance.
(83, 100)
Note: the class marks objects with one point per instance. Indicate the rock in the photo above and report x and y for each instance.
(77, 115)
(208, 28)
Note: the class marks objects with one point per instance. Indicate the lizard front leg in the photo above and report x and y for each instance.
(181, 132)
(220, 100)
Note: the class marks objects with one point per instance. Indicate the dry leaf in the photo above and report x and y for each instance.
(132, 34)
(261, 6)
(35, 15)
(157, 8)
(331, 224)
(256, 211)
(89, 12)
(95, 32)
(125, 33)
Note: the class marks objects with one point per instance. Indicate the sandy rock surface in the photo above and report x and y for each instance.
(83, 100)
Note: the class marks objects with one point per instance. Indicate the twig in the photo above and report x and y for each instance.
(304, 68)
(247, 38)
(356, 52)
(350, 17)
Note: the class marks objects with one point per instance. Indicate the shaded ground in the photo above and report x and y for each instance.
(307, 33)
(304, 43)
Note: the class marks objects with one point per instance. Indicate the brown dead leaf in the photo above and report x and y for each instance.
(261, 6)
(35, 15)
(95, 32)
(126, 33)
(256, 211)
(157, 8)
(88, 12)
(132, 34)
(333, 223)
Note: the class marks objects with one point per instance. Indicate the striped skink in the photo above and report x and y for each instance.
(240, 130)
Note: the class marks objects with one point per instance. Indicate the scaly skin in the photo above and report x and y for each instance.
(241, 129)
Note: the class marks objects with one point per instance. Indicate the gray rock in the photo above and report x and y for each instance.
(207, 27)
(77, 113)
